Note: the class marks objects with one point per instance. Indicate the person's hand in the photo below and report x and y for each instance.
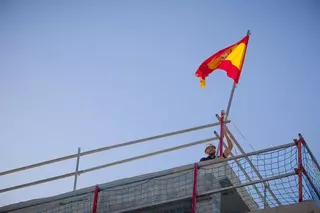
(225, 133)
(224, 130)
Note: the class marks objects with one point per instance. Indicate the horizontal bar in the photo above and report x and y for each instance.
(109, 147)
(148, 155)
(247, 184)
(183, 168)
(209, 192)
(205, 163)
(106, 165)
(37, 182)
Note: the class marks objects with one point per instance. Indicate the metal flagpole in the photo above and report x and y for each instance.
(232, 92)
(227, 112)
(221, 134)
(230, 99)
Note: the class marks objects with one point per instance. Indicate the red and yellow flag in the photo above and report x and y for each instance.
(229, 59)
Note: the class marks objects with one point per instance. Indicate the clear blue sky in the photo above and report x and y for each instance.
(95, 73)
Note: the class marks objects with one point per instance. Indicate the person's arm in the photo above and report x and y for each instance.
(227, 151)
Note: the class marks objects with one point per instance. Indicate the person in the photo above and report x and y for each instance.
(211, 150)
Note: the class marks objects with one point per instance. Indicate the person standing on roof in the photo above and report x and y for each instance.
(211, 150)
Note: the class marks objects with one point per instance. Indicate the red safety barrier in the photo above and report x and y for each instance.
(95, 199)
(300, 169)
(195, 186)
(221, 133)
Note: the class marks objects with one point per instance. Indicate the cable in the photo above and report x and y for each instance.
(243, 137)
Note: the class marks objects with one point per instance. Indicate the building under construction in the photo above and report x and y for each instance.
(284, 178)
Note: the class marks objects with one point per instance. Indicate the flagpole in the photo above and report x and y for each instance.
(227, 112)
(230, 99)
(221, 133)
(232, 93)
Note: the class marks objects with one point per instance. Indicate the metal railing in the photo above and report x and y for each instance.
(77, 172)
(296, 172)
(189, 186)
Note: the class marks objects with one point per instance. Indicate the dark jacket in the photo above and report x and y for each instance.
(210, 158)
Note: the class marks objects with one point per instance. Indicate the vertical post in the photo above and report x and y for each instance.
(314, 160)
(244, 171)
(195, 186)
(300, 169)
(249, 161)
(77, 170)
(265, 195)
(221, 133)
(95, 199)
(305, 145)
(230, 98)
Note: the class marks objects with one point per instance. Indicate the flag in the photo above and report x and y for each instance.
(229, 59)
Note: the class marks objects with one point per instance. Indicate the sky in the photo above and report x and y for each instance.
(96, 73)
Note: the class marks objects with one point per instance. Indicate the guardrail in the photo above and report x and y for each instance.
(288, 174)
(79, 154)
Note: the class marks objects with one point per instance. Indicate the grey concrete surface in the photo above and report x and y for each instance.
(304, 207)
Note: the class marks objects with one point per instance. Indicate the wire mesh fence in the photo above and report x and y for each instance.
(78, 204)
(83, 205)
(238, 184)
(244, 172)
(312, 174)
(148, 192)
(251, 182)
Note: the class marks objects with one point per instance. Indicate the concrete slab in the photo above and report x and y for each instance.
(303, 207)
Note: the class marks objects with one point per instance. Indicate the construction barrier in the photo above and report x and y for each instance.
(276, 176)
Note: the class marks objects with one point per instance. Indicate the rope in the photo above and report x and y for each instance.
(244, 138)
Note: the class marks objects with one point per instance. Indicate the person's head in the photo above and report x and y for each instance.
(210, 150)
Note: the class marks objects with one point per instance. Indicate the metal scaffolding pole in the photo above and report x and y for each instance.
(263, 180)
(303, 144)
(243, 170)
(77, 170)
(249, 161)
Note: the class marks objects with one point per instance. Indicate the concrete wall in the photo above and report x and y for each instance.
(166, 188)
(304, 207)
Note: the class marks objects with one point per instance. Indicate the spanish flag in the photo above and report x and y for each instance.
(229, 59)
